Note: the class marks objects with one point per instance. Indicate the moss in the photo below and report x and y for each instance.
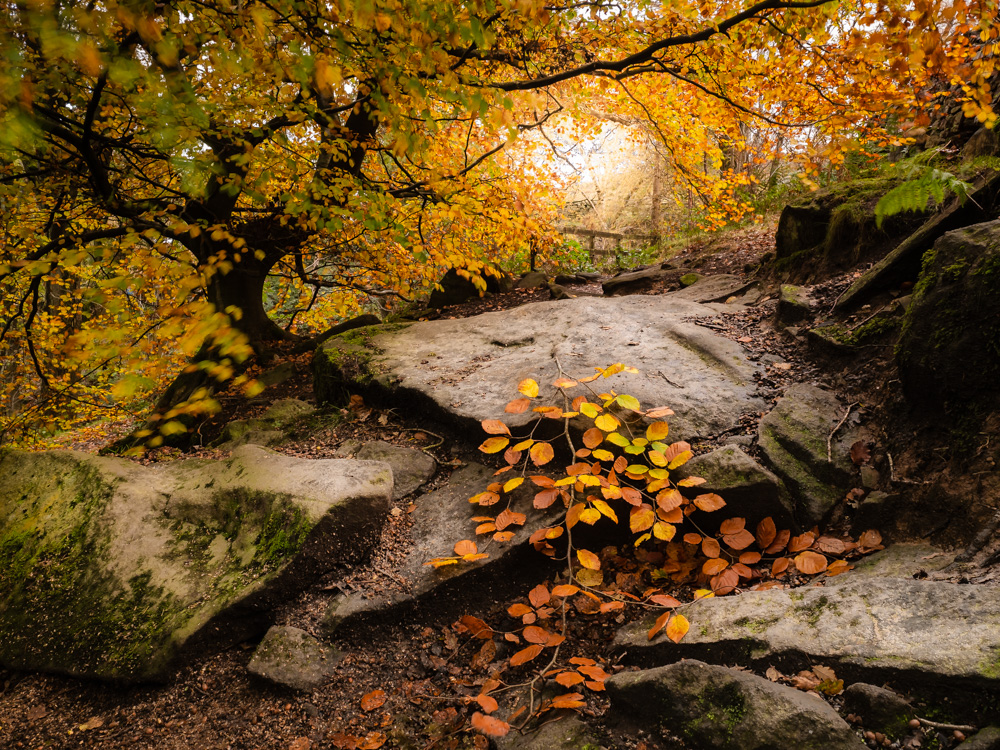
(755, 626)
(349, 359)
(59, 596)
(812, 613)
(721, 709)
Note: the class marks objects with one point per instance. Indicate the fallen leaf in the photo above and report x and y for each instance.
(300, 743)
(374, 699)
(860, 454)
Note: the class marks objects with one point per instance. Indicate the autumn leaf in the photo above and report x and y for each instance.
(539, 596)
(466, 547)
(518, 406)
(709, 502)
(657, 431)
(570, 700)
(535, 634)
(732, 525)
(860, 454)
(541, 453)
(528, 387)
(740, 540)
(494, 445)
(489, 725)
(766, 532)
(710, 547)
(593, 437)
(677, 628)
(374, 699)
(495, 427)
(714, 566)
(628, 402)
(476, 627)
(588, 559)
(810, 563)
(525, 655)
(568, 679)
(607, 422)
(488, 703)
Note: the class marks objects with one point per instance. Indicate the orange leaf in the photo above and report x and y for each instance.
(476, 627)
(374, 699)
(710, 547)
(740, 540)
(870, 540)
(664, 600)
(495, 427)
(750, 558)
(489, 725)
(501, 536)
(779, 543)
(539, 596)
(541, 454)
(564, 383)
(564, 590)
(595, 685)
(545, 498)
(517, 610)
(517, 406)
(658, 625)
(709, 502)
(588, 559)
(692, 538)
(570, 700)
(488, 703)
(801, 542)
(372, 741)
(714, 566)
(657, 431)
(641, 518)
(732, 525)
(568, 679)
(677, 628)
(669, 499)
(779, 566)
(593, 437)
(766, 533)
(525, 655)
(837, 567)
(535, 634)
(810, 563)
(466, 547)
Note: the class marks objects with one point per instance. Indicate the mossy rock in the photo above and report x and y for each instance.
(949, 348)
(835, 229)
(108, 569)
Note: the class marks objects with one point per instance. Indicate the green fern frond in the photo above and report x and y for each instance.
(925, 184)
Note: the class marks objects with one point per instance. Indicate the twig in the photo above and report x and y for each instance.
(894, 478)
(946, 727)
(426, 432)
(829, 438)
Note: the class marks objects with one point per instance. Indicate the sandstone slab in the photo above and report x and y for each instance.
(714, 707)
(108, 568)
(467, 370)
(868, 627)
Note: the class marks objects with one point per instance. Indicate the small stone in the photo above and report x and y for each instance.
(293, 658)
(869, 477)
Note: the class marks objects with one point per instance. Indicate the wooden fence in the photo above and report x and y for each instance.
(606, 249)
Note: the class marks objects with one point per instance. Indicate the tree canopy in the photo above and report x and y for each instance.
(209, 177)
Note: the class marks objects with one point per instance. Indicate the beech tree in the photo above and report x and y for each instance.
(208, 178)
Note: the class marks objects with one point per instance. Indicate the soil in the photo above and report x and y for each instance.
(430, 669)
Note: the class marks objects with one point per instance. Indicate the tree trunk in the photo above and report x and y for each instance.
(243, 289)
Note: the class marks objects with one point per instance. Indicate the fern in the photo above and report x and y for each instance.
(923, 183)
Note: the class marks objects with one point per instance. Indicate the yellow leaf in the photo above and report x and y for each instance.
(494, 445)
(628, 402)
(657, 431)
(513, 484)
(607, 422)
(605, 510)
(664, 531)
(590, 516)
(528, 388)
(677, 628)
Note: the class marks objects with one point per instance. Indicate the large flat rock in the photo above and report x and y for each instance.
(865, 626)
(467, 370)
(108, 568)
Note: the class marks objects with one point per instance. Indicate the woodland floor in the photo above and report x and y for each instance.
(426, 670)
